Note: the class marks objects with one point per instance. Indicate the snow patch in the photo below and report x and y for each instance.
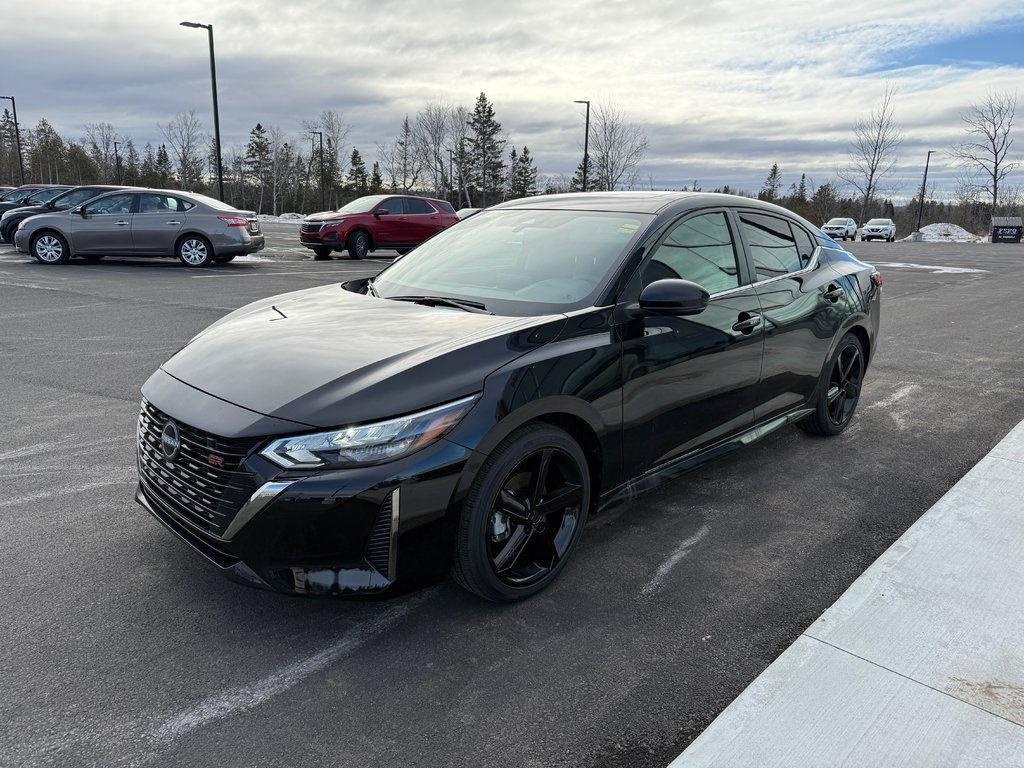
(284, 218)
(947, 233)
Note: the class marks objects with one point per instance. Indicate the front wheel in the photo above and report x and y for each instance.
(358, 244)
(321, 252)
(195, 251)
(50, 248)
(839, 389)
(523, 515)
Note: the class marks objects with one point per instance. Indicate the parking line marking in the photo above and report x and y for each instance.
(933, 269)
(666, 567)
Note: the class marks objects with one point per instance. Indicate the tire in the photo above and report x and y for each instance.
(508, 547)
(92, 258)
(838, 389)
(358, 244)
(322, 252)
(194, 251)
(50, 248)
(402, 251)
(6, 235)
(224, 259)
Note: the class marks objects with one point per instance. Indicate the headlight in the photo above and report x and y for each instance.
(367, 443)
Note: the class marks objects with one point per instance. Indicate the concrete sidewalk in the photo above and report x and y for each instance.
(920, 663)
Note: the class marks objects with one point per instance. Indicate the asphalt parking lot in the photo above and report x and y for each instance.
(121, 647)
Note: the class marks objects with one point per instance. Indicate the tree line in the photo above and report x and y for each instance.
(463, 155)
(445, 151)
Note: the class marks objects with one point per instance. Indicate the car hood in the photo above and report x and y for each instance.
(328, 357)
(330, 216)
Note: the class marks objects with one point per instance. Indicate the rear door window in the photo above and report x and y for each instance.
(417, 205)
(773, 247)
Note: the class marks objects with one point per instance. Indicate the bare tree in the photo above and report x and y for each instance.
(872, 153)
(185, 135)
(335, 134)
(99, 143)
(616, 147)
(399, 159)
(988, 144)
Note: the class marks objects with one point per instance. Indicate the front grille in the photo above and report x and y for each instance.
(311, 228)
(203, 487)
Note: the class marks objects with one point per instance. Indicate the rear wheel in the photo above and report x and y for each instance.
(358, 244)
(195, 251)
(321, 252)
(839, 389)
(401, 251)
(523, 515)
(50, 248)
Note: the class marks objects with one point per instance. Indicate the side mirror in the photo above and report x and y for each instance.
(672, 297)
(382, 212)
(80, 210)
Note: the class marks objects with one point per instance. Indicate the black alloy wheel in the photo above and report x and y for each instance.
(50, 248)
(523, 515)
(358, 244)
(321, 252)
(839, 392)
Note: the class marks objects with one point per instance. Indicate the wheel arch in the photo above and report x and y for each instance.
(369, 236)
(50, 231)
(194, 233)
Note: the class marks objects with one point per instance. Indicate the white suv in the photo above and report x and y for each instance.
(840, 228)
(879, 229)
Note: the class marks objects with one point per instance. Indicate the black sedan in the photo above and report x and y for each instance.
(468, 408)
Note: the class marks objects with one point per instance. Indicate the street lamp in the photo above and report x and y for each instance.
(451, 178)
(920, 203)
(117, 163)
(17, 135)
(323, 205)
(216, 111)
(586, 142)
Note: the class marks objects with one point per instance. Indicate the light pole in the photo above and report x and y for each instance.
(323, 205)
(117, 163)
(17, 136)
(586, 142)
(216, 111)
(451, 178)
(924, 182)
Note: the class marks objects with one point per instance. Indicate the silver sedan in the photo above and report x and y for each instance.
(142, 222)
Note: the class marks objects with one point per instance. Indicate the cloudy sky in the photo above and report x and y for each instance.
(722, 89)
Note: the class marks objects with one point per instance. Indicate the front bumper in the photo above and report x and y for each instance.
(354, 532)
(21, 240)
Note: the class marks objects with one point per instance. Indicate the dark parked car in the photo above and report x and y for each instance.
(468, 408)
(142, 222)
(70, 198)
(376, 221)
(36, 194)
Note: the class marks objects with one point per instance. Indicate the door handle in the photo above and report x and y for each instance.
(747, 323)
(834, 294)
(174, 223)
(122, 223)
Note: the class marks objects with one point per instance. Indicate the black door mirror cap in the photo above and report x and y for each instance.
(382, 212)
(672, 297)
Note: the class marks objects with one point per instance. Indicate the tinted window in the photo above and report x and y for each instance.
(699, 249)
(394, 205)
(156, 203)
(447, 207)
(772, 245)
(804, 244)
(115, 204)
(416, 205)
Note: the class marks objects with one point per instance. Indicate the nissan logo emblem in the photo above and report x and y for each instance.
(170, 441)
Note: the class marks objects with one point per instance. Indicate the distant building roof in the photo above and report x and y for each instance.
(1007, 221)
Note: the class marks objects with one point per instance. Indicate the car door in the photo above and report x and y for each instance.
(691, 381)
(803, 306)
(421, 220)
(156, 224)
(389, 228)
(104, 225)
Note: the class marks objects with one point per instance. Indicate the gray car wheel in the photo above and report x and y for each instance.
(195, 251)
(50, 248)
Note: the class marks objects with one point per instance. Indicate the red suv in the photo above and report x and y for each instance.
(367, 223)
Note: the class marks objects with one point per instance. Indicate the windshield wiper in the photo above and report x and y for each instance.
(444, 301)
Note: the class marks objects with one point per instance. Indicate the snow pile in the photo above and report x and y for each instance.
(284, 218)
(948, 233)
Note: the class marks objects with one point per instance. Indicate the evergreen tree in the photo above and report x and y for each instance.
(772, 185)
(147, 168)
(358, 183)
(130, 165)
(258, 161)
(10, 169)
(522, 174)
(486, 152)
(163, 171)
(376, 182)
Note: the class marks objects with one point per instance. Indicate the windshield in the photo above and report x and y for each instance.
(76, 197)
(362, 204)
(838, 222)
(44, 195)
(518, 262)
(878, 222)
